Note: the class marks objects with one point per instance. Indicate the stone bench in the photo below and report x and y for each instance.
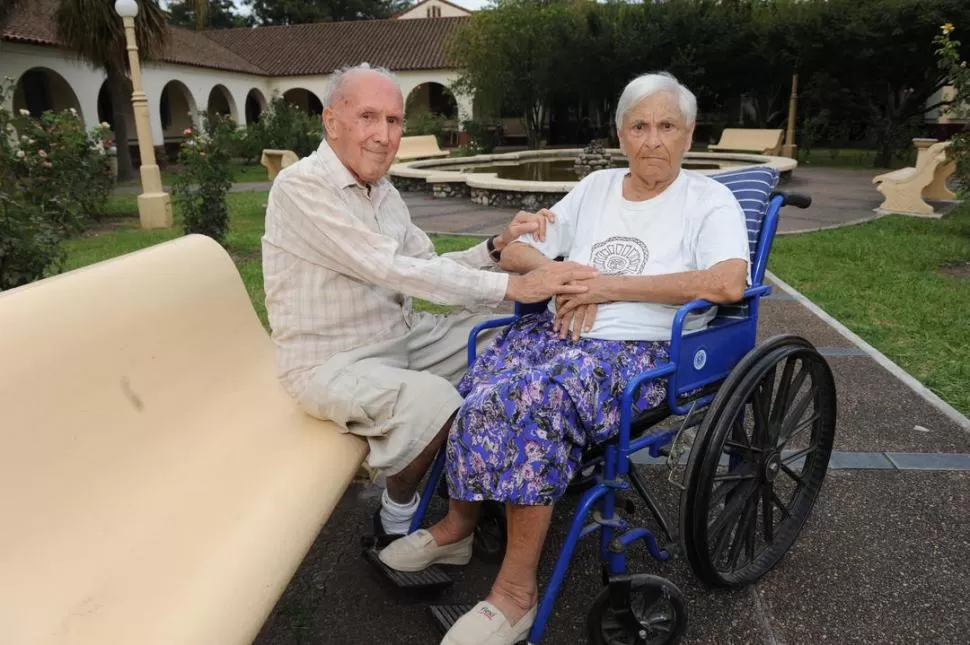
(766, 142)
(157, 485)
(906, 190)
(276, 160)
(424, 146)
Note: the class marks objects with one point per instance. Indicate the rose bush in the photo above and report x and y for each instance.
(54, 176)
(200, 189)
(958, 76)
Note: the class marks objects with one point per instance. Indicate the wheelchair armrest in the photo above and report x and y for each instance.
(697, 305)
(480, 327)
(522, 309)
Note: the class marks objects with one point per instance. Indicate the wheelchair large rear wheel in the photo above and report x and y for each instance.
(758, 462)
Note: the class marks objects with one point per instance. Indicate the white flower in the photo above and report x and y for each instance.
(24, 113)
(20, 154)
(73, 112)
(9, 128)
(105, 124)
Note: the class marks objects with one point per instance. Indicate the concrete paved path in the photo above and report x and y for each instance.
(839, 196)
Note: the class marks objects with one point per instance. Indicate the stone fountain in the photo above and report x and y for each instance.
(593, 157)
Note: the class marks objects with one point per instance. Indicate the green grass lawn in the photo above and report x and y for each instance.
(881, 279)
(119, 234)
(240, 173)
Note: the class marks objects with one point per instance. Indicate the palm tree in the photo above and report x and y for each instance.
(201, 14)
(94, 31)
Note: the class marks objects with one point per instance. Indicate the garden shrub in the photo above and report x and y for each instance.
(200, 189)
(483, 135)
(283, 126)
(958, 76)
(54, 177)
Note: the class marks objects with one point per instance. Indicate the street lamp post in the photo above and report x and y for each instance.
(154, 204)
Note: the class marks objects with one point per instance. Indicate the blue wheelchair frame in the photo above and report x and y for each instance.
(699, 359)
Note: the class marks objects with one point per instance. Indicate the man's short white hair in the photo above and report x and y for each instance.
(338, 80)
(649, 84)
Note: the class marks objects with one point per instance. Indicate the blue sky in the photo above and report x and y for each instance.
(468, 4)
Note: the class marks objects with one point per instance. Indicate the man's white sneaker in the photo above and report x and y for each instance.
(419, 551)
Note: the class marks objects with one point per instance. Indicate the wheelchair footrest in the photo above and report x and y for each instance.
(431, 579)
(444, 616)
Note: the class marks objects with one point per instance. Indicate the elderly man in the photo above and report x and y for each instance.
(341, 262)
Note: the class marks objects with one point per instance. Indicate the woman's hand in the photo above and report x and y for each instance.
(525, 222)
(575, 322)
(575, 313)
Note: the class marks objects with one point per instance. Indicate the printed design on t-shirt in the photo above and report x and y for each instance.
(620, 256)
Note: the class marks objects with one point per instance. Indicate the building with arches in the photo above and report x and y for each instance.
(234, 71)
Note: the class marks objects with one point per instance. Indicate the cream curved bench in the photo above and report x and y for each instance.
(157, 486)
(766, 142)
(276, 160)
(424, 146)
(905, 190)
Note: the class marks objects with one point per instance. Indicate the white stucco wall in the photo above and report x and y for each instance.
(410, 80)
(86, 82)
(193, 84)
(442, 10)
(16, 59)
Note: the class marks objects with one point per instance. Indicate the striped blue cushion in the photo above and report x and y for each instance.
(752, 187)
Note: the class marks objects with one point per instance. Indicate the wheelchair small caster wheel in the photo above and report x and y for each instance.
(490, 534)
(638, 610)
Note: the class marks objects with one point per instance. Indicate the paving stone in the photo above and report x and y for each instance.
(882, 561)
(929, 461)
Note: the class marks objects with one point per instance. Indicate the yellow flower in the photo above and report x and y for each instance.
(947, 28)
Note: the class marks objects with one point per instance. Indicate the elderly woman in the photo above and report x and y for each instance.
(550, 385)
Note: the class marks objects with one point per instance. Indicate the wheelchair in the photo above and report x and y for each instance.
(745, 489)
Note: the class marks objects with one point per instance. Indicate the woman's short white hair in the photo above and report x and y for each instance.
(649, 84)
(336, 82)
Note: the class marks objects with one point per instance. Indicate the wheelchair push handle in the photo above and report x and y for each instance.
(797, 200)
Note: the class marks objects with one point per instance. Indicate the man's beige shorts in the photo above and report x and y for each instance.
(397, 393)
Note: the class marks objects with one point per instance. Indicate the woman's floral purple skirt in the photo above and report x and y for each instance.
(533, 401)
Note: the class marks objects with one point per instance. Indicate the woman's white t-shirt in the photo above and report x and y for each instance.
(694, 224)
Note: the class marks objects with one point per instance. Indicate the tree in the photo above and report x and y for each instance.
(893, 73)
(295, 12)
(94, 32)
(201, 14)
(510, 57)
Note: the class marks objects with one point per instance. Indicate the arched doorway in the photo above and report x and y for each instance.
(255, 104)
(431, 108)
(106, 114)
(305, 100)
(221, 102)
(431, 98)
(177, 111)
(41, 89)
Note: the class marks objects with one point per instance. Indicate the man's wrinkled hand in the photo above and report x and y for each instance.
(525, 222)
(549, 280)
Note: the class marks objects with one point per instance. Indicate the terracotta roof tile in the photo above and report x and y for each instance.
(293, 50)
(320, 48)
(189, 47)
(32, 22)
